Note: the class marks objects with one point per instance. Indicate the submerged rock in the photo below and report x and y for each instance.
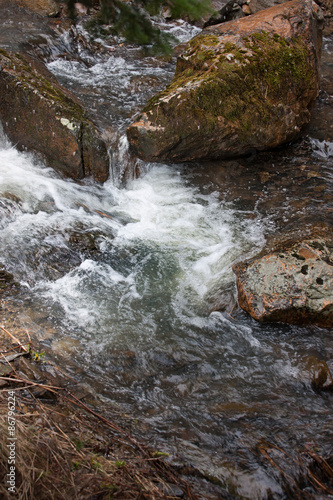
(321, 378)
(38, 114)
(42, 7)
(294, 285)
(6, 281)
(240, 86)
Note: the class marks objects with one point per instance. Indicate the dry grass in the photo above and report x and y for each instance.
(303, 476)
(64, 453)
(66, 449)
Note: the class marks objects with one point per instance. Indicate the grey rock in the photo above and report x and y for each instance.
(293, 285)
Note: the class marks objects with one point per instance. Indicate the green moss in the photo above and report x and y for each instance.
(240, 84)
(229, 47)
(32, 78)
(3, 52)
(203, 40)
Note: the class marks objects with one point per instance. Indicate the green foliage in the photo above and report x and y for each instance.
(120, 463)
(160, 454)
(36, 355)
(79, 445)
(131, 19)
(109, 487)
(95, 464)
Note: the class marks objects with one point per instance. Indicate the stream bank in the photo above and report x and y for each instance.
(65, 448)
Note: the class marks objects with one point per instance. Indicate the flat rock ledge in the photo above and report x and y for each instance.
(240, 86)
(39, 115)
(294, 285)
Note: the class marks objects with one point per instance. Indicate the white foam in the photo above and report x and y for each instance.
(170, 234)
(324, 149)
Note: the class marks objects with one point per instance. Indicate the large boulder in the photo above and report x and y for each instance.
(38, 114)
(255, 6)
(239, 86)
(293, 285)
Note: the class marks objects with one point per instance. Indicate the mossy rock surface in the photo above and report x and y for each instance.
(243, 85)
(39, 115)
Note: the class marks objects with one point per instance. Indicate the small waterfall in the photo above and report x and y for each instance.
(123, 165)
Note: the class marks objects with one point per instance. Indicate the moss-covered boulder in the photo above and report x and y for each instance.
(39, 115)
(293, 285)
(239, 86)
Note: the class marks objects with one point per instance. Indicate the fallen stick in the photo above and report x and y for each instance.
(51, 388)
(15, 339)
(97, 211)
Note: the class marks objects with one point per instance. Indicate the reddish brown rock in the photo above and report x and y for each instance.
(326, 6)
(43, 7)
(245, 85)
(257, 5)
(39, 115)
(294, 285)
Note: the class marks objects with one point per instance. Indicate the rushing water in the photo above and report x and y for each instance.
(133, 290)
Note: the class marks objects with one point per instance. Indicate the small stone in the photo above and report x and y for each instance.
(246, 9)
(264, 176)
(320, 374)
(166, 13)
(171, 490)
(5, 370)
(308, 253)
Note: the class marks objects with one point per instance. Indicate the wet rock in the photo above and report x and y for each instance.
(42, 7)
(233, 9)
(293, 285)
(320, 374)
(7, 281)
(240, 86)
(29, 370)
(51, 263)
(171, 490)
(39, 115)
(257, 5)
(5, 278)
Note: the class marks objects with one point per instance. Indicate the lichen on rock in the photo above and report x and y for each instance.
(243, 85)
(292, 285)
